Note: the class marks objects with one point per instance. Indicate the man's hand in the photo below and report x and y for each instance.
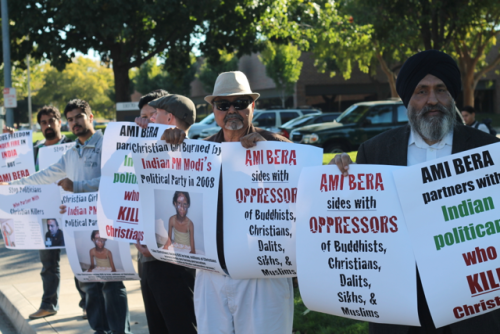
(142, 122)
(62, 209)
(66, 184)
(173, 136)
(251, 139)
(342, 161)
(143, 249)
(8, 130)
(4, 184)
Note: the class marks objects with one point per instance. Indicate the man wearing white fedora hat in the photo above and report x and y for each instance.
(223, 304)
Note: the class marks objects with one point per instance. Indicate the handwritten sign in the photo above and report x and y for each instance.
(16, 156)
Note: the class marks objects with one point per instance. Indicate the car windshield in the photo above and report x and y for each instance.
(353, 114)
(208, 120)
(297, 121)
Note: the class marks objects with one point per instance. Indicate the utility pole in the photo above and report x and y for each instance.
(29, 93)
(7, 77)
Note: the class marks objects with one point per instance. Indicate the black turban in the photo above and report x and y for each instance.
(434, 62)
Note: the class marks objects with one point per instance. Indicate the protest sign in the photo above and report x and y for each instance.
(16, 156)
(260, 190)
(92, 257)
(179, 186)
(49, 155)
(451, 206)
(118, 207)
(354, 257)
(30, 217)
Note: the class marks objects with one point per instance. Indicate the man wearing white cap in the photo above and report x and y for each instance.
(223, 304)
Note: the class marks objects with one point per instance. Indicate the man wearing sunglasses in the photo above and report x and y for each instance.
(223, 304)
(79, 171)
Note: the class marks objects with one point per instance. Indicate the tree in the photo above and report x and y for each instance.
(84, 79)
(209, 72)
(283, 66)
(150, 76)
(473, 42)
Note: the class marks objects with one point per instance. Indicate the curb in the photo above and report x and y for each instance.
(7, 295)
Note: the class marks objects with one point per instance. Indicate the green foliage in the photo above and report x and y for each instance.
(151, 76)
(84, 79)
(283, 66)
(310, 322)
(39, 136)
(209, 71)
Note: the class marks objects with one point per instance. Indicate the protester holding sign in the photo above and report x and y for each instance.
(264, 305)
(428, 84)
(171, 309)
(79, 171)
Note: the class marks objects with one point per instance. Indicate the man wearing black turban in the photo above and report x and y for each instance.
(428, 84)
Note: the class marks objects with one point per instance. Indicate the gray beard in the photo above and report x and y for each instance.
(233, 122)
(433, 128)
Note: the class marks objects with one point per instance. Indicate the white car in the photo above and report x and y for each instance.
(269, 120)
(196, 129)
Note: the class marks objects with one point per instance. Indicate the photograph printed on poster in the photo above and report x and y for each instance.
(53, 235)
(97, 254)
(6, 225)
(179, 221)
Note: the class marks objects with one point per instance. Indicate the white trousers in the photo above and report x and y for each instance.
(249, 306)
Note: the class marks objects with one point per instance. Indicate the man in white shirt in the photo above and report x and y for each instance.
(428, 84)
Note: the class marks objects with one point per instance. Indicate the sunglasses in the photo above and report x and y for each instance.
(237, 104)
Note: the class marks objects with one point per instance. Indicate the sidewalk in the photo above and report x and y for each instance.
(21, 293)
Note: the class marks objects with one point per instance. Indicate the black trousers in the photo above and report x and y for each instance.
(167, 291)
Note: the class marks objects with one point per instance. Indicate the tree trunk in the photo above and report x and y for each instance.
(122, 83)
(469, 85)
(391, 78)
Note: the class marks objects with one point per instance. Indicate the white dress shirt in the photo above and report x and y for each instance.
(419, 151)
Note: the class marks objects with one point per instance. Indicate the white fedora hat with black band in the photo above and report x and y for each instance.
(232, 84)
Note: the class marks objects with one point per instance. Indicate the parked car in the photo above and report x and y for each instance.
(196, 129)
(270, 120)
(286, 128)
(358, 123)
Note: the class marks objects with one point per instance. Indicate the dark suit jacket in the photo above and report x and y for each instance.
(391, 148)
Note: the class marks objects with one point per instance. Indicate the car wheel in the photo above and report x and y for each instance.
(334, 148)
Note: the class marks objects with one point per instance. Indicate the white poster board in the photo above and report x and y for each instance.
(453, 215)
(49, 155)
(118, 206)
(16, 156)
(354, 256)
(259, 193)
(179, 187)
(30, 217)
(91, 256)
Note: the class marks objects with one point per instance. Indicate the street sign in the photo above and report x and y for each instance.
(9, 98)
(124, 106)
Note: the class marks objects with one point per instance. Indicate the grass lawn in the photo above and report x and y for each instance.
(310, 322)
(39, 136)
(329, 156)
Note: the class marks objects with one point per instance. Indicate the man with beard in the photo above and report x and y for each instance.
(428, 84)
(223, 304)
(79, 171)
(49, 119)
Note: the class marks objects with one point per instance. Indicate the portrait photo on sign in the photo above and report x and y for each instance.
(179, 221)
(97, 254)
(53, 236)
(8, 235)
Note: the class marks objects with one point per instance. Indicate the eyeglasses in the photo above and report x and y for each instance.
(224, 105)
(51, 121)
(77, 117)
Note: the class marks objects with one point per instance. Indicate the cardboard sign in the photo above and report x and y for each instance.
(354, 256)
(30, 217)
(452, 209)
(259, 193)
(179, 187)
(92, 257)
(16, 156)
(49, 155)
(119, 213)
